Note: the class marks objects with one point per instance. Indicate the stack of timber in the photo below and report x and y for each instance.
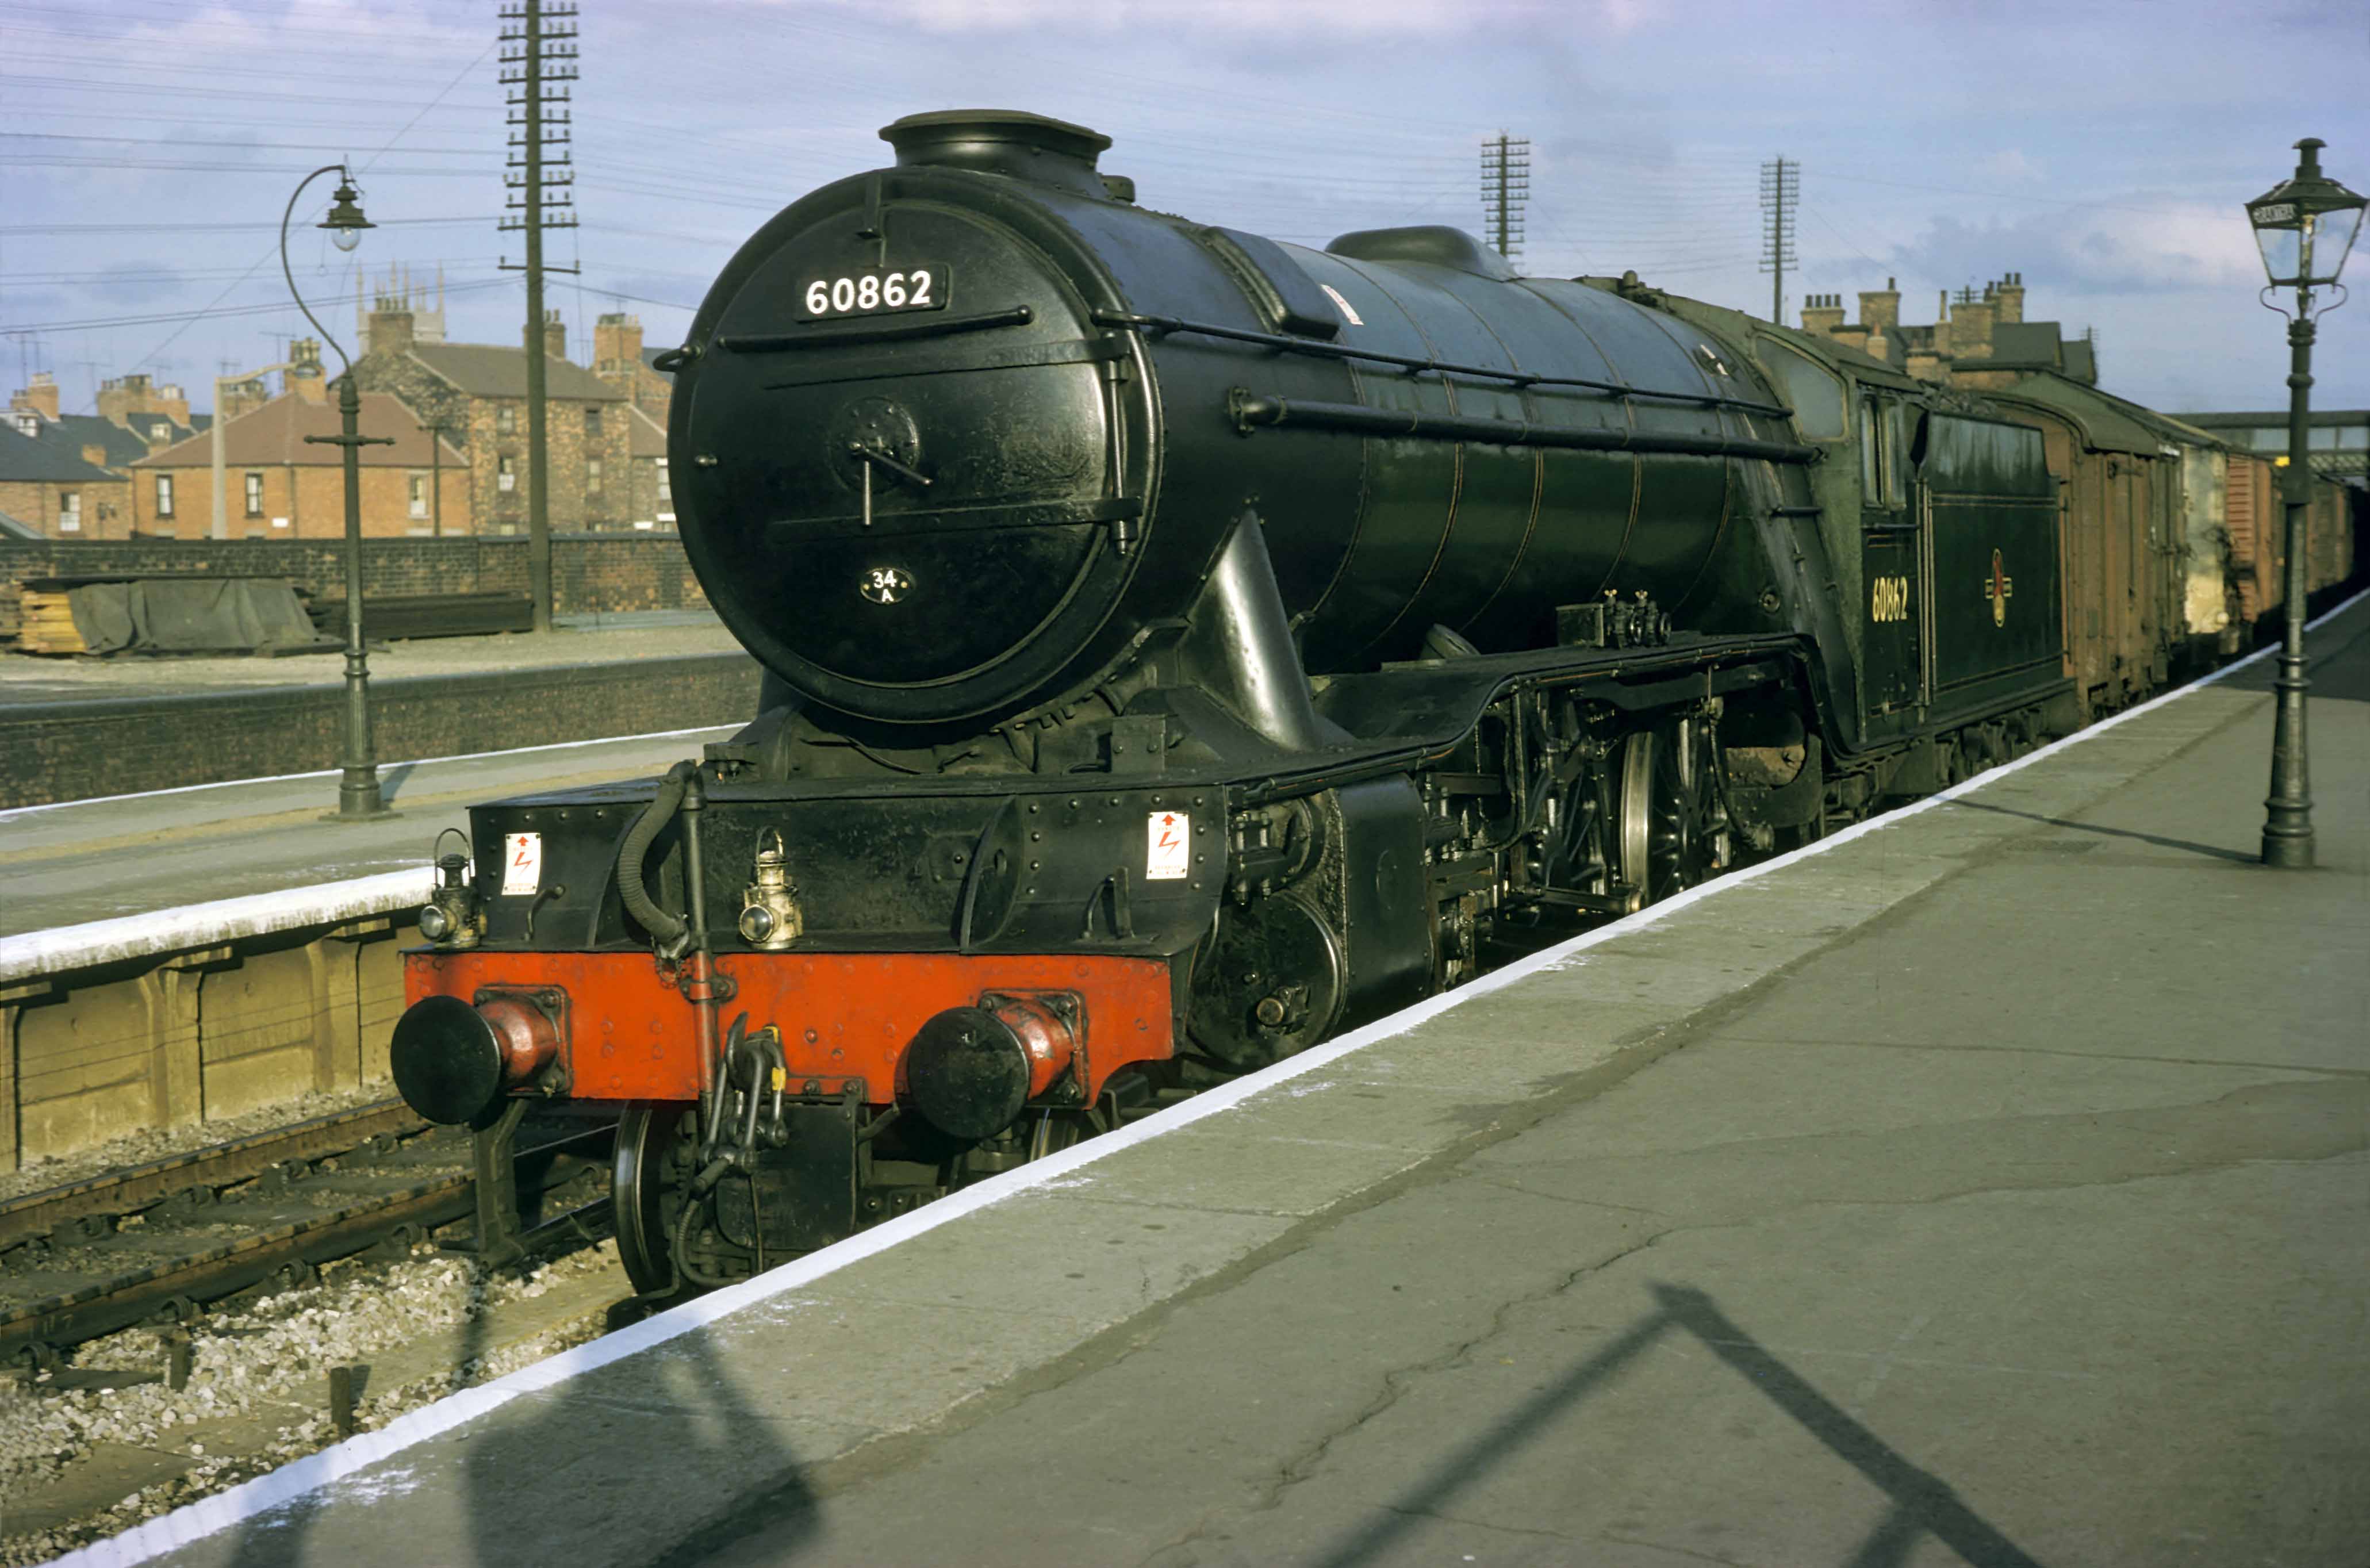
(12, 611)
(397, 618)
(45, 622)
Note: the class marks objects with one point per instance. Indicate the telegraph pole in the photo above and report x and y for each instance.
(1505, 190)
(1781, 191)
(538, 59)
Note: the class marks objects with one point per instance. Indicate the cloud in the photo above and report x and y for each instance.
(1216, 20)
(2109, 250)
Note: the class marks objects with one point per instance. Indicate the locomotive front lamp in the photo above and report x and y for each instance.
(2305, 227)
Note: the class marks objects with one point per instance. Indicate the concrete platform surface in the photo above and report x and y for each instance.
(84, 861)
(1988, 1185)
(588, 641)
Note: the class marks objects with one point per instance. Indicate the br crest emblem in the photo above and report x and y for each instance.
(1997, 587)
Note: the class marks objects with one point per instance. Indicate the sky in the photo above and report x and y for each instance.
(148, 147)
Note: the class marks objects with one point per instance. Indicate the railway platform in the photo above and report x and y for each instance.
(90, 729)
(78, 861)
(1985, 1185)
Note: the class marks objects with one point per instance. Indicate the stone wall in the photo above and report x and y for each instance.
(592, 574)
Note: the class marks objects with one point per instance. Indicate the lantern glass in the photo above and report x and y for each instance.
(2306, 226)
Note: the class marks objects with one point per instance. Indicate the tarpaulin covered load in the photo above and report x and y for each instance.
(190, 614)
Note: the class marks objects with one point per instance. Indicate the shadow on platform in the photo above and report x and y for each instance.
(519, 1471)
(2238, 856)
(1923, 1503)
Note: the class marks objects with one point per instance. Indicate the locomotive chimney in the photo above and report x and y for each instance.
(1001, 141)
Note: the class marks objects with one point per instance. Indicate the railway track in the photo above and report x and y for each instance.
(172, 1235)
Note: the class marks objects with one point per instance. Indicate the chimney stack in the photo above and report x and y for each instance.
(1822, 313)
(94, 454)
(390, 325)
(41, 395)
(303, 376)
(617, 344)
(2009, 298)
(242, 397)
(1880, 309)
(1971, 329)
(554, 336)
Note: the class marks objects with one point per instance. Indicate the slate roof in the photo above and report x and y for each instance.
(645, 437)
(2081, 362)
(274, 434)
(26, 460)
(72, 433)
(2021, 344)
(489, 370)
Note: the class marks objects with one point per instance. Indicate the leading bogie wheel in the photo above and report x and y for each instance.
(656, 1150)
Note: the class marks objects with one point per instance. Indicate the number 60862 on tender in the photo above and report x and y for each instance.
(876, 292)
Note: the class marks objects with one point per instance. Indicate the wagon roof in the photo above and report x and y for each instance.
(2105, 422)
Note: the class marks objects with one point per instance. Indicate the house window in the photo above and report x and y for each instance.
(29, 423)
(593, 418)
(592, 476)
(70, 512)
(164, 495)
(505, 421)
(420, 495)
(255, 495)
(666, 484)
(505, 475)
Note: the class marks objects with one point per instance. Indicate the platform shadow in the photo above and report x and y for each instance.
(523, 1463)
(1923, 1503)
(2211, 851)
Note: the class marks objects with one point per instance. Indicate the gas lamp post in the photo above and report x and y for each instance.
(358, 792)
(2304, 226)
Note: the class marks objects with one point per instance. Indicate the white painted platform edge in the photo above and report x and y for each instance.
(292, 1483)
(63, 949)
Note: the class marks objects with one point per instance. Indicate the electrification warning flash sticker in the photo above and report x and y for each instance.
(521, 863)
(1169, 845)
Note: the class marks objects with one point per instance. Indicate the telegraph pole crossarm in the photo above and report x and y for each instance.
(541, 56)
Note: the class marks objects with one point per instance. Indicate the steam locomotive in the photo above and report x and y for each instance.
(1181, 646)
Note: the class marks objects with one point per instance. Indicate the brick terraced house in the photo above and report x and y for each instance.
(477, 392)
(59, 493)
(279, 486)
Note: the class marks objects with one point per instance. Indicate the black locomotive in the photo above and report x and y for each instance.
(1182, 646)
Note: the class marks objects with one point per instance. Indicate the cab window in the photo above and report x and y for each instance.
(1813, 391)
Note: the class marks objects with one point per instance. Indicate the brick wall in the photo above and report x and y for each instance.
(491, 430)
(590, 573)
(306, 502)
(65, 751)
(105, 506)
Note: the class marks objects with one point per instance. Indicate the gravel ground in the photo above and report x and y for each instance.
(260, 1361)
(139, 1149)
